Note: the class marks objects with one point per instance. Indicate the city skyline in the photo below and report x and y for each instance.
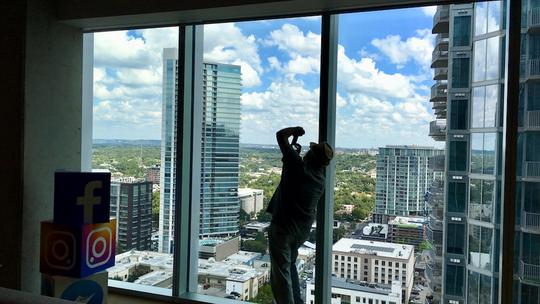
(384, 78)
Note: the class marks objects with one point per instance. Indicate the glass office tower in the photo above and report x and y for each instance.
(403, 178)
(468, 63)
(219, 204)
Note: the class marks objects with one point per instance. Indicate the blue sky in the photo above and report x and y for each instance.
(383, 77)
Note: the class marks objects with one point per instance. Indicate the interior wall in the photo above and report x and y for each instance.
(12, 34)
(52, 123)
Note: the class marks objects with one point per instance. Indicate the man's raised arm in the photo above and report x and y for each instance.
(283, 135)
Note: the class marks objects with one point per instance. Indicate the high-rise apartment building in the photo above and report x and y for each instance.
(469, 93)
(219, 204)
(434, 229)
(375, 262)
(402, 180)
(131, 205)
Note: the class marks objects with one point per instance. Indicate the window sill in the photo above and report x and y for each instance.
(130, 290)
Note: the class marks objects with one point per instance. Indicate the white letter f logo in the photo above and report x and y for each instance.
(89, 200)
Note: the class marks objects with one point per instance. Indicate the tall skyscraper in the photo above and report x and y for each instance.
(403, 178)
(469, 65)
(219, 204)
(131, 205)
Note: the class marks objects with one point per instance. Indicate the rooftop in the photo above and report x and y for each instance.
(248, 191)
(406, 221)
(362, 286)
(382, 249)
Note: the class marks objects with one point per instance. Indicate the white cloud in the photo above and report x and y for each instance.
(127, 81)
(286, 102)
(417, 48)
(225, 43)
(293, 41)
(429, 11)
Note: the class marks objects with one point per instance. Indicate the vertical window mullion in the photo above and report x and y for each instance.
(508, 192)
(327, 128)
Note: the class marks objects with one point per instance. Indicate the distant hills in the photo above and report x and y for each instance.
(157, 143)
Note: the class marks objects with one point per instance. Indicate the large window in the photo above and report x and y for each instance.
(134, 99)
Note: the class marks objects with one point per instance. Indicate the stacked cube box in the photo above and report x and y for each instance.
(80, 243)
(90, 290)
(77, 251)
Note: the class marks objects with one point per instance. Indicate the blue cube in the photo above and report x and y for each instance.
(81, 197)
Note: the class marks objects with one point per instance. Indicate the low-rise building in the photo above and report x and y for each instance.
(251, 200)
(352, 291)
(375, 262)
(219, 249)
(407, 230)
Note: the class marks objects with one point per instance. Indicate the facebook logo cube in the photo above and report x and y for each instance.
(81, 197)
(77, 251)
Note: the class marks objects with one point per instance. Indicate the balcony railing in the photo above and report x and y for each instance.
(532, 169)
(439, 58)
(533, 119)
(437, 129)
(529, 272)
(439, 91)
(534, 17)
(441, 41)
(530, 221)
(439, 105)
(441, 20)
(440, 74)
(530, 67)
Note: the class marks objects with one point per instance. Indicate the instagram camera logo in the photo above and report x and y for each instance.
(60, 250)
(99, 244)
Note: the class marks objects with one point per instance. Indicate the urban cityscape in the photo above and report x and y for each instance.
(413, 223)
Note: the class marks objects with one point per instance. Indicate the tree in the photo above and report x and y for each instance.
(338, 233)
(264, 296)
(155, 208)
(254, 246)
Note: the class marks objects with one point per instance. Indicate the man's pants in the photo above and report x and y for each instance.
(283, 274)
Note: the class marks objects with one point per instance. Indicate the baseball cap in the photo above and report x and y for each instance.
(322, 151)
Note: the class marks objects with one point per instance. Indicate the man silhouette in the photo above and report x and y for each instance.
(293, 208)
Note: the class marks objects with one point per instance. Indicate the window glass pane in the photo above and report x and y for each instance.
(458, 119)
(479, 67)
(260, 77)
(490, 108)
(494, 16)
(493, 60)
(477, 115)
(481, 200)
(480, 246)
(456, 244)
(462, 31)
(457, 156)
(455, 276)
(134, 94)
(477, 146)
(460, 72)
(457, 196)
(488, 165)
(480, 21)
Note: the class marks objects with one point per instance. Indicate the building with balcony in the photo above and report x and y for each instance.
(131, 205)
(375, 262)
(434, 229)
(402, 180)
(471, 196)
(220, 143)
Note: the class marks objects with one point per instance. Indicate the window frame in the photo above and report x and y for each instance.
(191, 46)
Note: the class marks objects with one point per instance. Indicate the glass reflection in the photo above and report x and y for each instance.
(480, 24)
(477, 145)
(477, 115)
(492, 58)
(490, 108)
(479, 67)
